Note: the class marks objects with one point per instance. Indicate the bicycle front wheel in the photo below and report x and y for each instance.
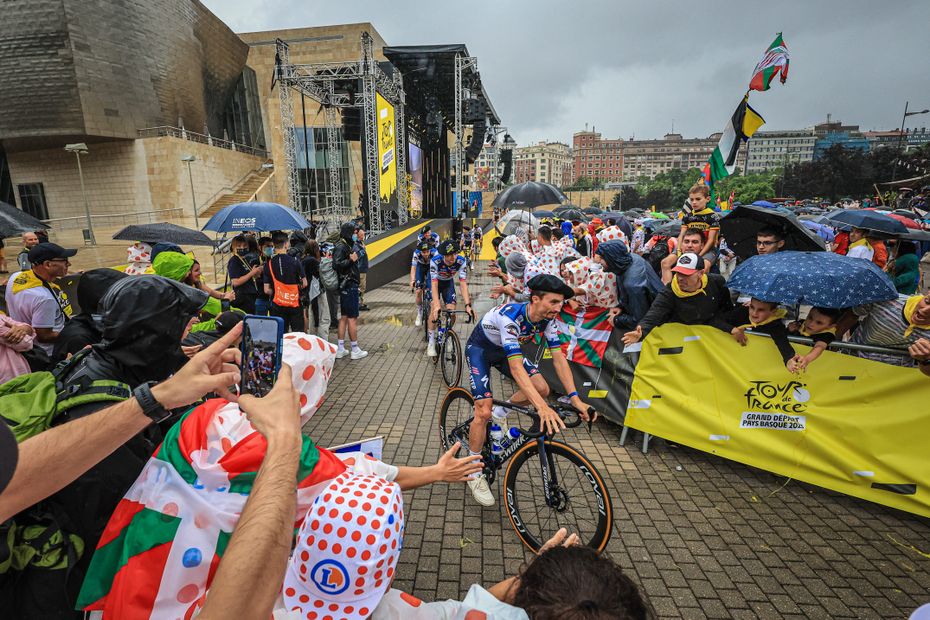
(451, 355)
(455, 416)
(576, 497)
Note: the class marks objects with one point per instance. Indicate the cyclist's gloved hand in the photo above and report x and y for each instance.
(550, 420)
(450, 469)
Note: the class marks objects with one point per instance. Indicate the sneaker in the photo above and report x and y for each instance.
(498, 412)
(358, 354)
(481, 491)
(431, 349)
(419, 320)
(364, 308)
(341, 353)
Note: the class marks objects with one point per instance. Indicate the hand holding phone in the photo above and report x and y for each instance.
(262, 338)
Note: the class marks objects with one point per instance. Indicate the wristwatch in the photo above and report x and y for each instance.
(150, 407)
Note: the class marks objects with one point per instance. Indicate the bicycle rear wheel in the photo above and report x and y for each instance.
(451, 355)
(424, 315)
(577, 498)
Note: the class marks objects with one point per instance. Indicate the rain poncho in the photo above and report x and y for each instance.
(163, 543)
(140, 259)
(611, 233)
(637, 283)
(600, 286)
(83, 328)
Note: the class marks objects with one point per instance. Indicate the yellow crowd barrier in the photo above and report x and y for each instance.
(847, 424)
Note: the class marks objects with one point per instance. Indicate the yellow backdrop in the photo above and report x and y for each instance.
(848, 424)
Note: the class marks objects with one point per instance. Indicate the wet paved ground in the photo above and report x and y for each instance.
(705, 537)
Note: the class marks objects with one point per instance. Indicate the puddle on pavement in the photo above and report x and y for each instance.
(404, 319)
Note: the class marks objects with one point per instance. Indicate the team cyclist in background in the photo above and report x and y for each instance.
(419, 274)
(476, 238)
(444, 269)
(465, 242)
(495, 342)
(427, 234)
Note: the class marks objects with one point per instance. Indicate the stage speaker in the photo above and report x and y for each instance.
(473, 150)
(474, 111)
(507, 160)
(434, 128)
(352, 124)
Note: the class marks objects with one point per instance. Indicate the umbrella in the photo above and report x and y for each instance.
(908, 222)
(668, 229)
(815, 278)
(622, 222)
(905, 212)
(869, 220)
(512, 220)
(256, 216)
(163, 233)
(764, 203)
(657, 216)
(823, 230)
(15, 221)
(739, 228)
(571, 213)
(529, 195)
(540, 213)
(591, 211)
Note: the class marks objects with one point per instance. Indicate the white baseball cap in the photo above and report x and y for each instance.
(347, 549)
(688, 263)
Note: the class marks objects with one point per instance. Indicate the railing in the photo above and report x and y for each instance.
(113, 219)
(184, 134)
(229, 189)
(842, 347)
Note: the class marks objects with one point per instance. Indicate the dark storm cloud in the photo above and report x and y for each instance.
(638, 67)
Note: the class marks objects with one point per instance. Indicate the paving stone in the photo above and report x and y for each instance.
(694, 540)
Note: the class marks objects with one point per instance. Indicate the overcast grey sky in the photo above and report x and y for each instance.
(635, 67)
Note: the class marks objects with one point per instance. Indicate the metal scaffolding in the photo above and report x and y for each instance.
(462, 64)
(319, 82)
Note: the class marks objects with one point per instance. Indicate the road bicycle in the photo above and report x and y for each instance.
(547, 483)
(449, 346)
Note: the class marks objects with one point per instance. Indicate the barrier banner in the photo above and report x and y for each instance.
(847, 424)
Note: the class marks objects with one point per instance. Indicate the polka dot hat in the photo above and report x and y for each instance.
(347, 549)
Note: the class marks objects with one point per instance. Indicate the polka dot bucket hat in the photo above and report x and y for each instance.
(347, 549)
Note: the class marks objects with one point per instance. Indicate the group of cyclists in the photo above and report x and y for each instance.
(496, 340)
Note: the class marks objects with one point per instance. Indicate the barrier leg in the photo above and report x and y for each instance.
(623, 433)
(646, 437)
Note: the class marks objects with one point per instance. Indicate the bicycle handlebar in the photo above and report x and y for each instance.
(465, 312)
(562, 410)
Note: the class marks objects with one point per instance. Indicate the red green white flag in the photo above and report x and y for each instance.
(163, 543)
(583, 333)
(774, 62)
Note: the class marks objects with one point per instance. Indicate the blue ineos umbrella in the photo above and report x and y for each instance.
(869, 220)
(815, 278)
(256, 216)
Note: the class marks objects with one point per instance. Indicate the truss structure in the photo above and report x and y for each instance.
(319, 82)
(462, 64)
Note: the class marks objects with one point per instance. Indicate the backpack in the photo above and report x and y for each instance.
(28, 404)
(328, 274)
(658, 252)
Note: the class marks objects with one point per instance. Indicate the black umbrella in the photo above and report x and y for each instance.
(163, 232)
(15, 221)
(739, 228)
(869, 220)
(621, 220)
(669, 229)
(592, 211)
(570, 214)
(540, 213)
(529, 195)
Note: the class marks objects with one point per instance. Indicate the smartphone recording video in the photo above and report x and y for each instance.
(261, 353)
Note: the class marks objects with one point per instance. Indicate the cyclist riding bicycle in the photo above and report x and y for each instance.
(495, 342)
(476, 235)
(443, 270)
(426, 234)
(466, 240)
(419, 273)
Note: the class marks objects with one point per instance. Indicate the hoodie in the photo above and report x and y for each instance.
(637, 283)
(83, 329)
(346, 268)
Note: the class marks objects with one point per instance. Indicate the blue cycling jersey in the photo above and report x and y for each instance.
(506, 327)
(418, 257)
(439, 270)
(432, 237)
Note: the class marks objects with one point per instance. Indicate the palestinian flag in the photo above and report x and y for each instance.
(584, 333)
(163, 543)
(743, 124)
(774, 62)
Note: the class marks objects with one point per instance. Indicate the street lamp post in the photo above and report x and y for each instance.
(190, 175)
(894, 171)
(79, 148)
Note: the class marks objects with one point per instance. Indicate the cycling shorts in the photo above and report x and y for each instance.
(447, 291)
(421, 276)
(480, 361)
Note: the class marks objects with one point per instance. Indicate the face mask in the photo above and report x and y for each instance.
(354, 237)
(242, 251)
(269, 252)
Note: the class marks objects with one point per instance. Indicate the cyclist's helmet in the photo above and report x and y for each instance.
(448, 247)
(425, 230)
(423, 246)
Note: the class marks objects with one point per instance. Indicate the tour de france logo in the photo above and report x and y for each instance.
(776, 406)
(330, 577)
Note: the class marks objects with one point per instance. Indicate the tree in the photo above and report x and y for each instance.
(595, 202)
(669, 190)
(630, 198)
(748, 188)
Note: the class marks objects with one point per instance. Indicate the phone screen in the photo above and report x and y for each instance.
(261, 354)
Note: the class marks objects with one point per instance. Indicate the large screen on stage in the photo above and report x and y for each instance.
(415, 168)
(387, 142)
